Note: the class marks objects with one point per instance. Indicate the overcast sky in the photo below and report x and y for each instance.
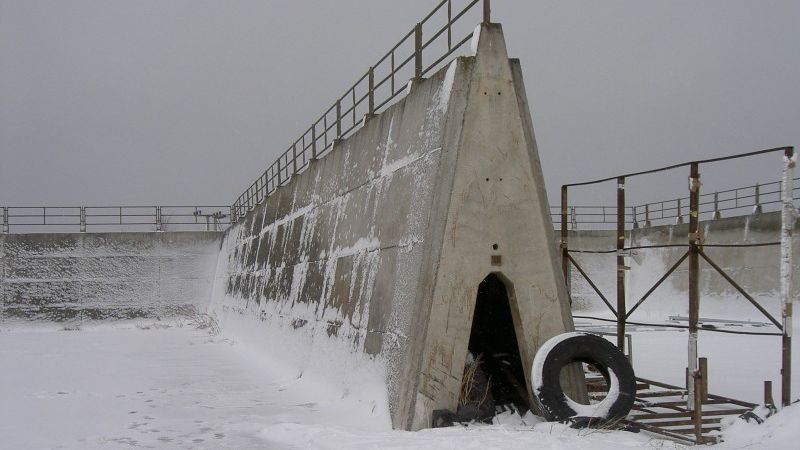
(111, 102)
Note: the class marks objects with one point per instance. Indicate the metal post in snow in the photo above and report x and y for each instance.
(788, 217)
(5, 220)
(694, 285)
(621, 308)
(487, 11)
(83, 218)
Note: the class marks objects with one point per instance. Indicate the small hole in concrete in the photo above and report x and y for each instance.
(498, 93)
(485, 93)
(495, 246)
(487, 179)
(501, 179)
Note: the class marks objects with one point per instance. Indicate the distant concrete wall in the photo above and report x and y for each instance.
(380, 246)
(755, 268)
(92, 276)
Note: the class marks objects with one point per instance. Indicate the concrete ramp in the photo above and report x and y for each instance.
(375, 254)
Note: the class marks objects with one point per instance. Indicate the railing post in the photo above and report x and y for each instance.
(313, 142)
(83, 218)
(449, 28)
(621, 308)
(647, 222)
(6, 225)
(371, 99)
(635, 220)
(487, 11)
(564, 242)
(574, 217)
(788, 217)
(694, 278)
(294, 158)
(757, 207)
(418, 51)
(338, 120)
(717, 215)
(159, 222)
(679, 218)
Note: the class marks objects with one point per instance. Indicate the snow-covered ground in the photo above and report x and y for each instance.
(139, 385)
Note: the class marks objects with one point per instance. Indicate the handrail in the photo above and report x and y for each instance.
(107, 218)
(753, 197)
(366, 97)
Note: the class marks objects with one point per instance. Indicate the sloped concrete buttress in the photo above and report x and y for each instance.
(378, 247)
(497, 221)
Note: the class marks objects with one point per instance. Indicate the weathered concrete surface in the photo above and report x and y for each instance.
(380, 246)
(756, 269)
(92, 276)
(496, 206)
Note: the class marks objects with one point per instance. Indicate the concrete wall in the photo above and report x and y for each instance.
(754, 268)
(92, 276)
(380, 246)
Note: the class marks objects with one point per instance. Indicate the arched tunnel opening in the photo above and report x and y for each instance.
(494, 378)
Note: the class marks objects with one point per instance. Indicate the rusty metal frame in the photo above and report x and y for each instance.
(697, 381)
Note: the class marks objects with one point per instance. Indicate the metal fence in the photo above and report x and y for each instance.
(739, 201)
(113, 218)
(418, 53)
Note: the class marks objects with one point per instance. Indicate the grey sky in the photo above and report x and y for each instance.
(186, 102)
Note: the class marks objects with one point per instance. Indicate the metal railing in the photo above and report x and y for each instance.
(113, 218)
(754, 199)
(383, 82)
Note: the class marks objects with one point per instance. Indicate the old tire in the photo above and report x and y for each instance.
(585, 348)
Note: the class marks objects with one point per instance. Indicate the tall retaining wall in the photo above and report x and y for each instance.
(756, 269)
(378, 248)
(74, 277)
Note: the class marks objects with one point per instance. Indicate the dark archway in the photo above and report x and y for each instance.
(493, 338)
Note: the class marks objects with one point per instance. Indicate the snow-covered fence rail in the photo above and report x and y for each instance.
(24, 219)
(413, 57)
(744, 200)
